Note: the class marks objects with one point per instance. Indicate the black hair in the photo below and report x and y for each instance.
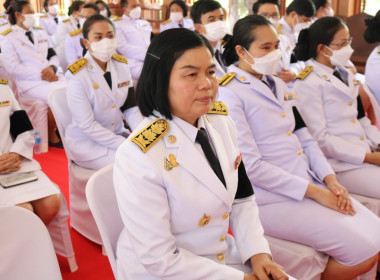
(372, 33)
(6, 4)
(92, 6)
(256, 6)
(301, 7)
(75, 6)
(153, 85)
(202, 7)
(94, 19)
(322, 32)
(180, 3)
(16, 6)
(46, 3)
(105, 6)
(123, 3)
(243, 35)
(319, 3)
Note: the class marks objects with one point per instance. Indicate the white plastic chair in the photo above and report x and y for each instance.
(81, 218)
(101, 198)
(375, 104)
(26, 250)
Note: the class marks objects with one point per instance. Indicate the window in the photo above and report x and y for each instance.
(371, 6)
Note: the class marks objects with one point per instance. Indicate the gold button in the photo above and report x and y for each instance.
(172, 139)
(350, 103)
(353, 120)
(90, 67)
(283, 115)
(222, 238)
(220, 257)
(112, 123)
(242, 78)
(226, 215)
(299, 152)
(289, 133)
(113, 105)
(204, 221)
(362, 138)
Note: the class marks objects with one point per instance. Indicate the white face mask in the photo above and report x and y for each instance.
(274, 21)
(104, 49)
(29, 21)
(53, 10)
(104, 13)
(340, 57)
(135, 13)
(176, 16)
(267, 64)
(82, 21)
(215, 30)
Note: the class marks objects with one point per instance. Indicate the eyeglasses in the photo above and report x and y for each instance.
(343, 44)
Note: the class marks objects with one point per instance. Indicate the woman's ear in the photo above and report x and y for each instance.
(85, 43)
(240, 51)
(323, 49)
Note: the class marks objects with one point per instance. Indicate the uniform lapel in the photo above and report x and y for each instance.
(194, 162)
(23, 38)
(99, 82)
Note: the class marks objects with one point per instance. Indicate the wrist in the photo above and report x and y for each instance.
(54, 68)
(330, 179)
(368, 158)
(311, 191)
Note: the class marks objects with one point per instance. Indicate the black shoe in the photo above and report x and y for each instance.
(56, 145)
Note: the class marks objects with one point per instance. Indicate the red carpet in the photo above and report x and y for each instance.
(91, 263)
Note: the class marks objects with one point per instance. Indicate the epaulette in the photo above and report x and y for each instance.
(120, 58)
(116, 18)
(38, 27)
(305, 72)
(61, 13)
(4, 23)
(6, 31)
(226, 78)
(165, 22)
(378, 52)
(1, 16)
(75, 32)
(66, 20)
(77, 65)
(279, 31)
(218, 108)
(153, 132)
(43, 16)
(3, 82)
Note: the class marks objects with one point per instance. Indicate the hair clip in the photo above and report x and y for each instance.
(155, 56)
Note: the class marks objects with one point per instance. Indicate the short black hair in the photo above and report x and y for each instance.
(153, 85)
(301, 7)
(319, 3)
(105, 6)
(202, 7)
(92, 6)
(75, 6)
(46, 3)
(256, 6)
(322, 31)
(180, 3)
(243, 35)
(16, 6)
(372, 33)
(94, 19)
(123, 3)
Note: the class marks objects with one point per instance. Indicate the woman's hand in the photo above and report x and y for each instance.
(372, 158)
(48, 74)
(265, 269)
(327, 198)
(10, 162)
(286, 75)
(344, 200)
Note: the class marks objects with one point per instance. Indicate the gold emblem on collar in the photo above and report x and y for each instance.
(172, 139)
(204, 221)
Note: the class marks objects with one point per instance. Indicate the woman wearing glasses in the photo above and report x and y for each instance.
(329, 103)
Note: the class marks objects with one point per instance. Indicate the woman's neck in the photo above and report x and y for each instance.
(247, 68)
(324, 61)
(19, 24)
(102, 65)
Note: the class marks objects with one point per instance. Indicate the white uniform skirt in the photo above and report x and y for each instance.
(350, 240)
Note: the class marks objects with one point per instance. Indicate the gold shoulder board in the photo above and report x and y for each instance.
(66, 20)
(77, 65)
(3, 82)
(4, 23)
(153, 132)
(75, 32)
(116, 18)
(279, 27)
(378, 52)
(43, 16)
(165, 22)
(37, 27)
(226, 78)
(305, 72)
(61, 13)
(6, 31)
(120, 58)
(218, 108)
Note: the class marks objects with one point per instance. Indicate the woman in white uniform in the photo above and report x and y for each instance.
(372, 67)
(297, 192)
(329, 103)
(31, 60)
(16, 155)
(99, 91)
(177, 18)
(175, 208)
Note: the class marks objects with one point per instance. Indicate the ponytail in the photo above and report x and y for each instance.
(372, 33)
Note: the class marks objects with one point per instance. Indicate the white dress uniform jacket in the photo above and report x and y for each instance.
(372, 72)
(180, 230)
(169, 24)
(26, 60)
(65, 27)
(286, 30)
(97, 122)
(48, 23)
(22, 145)
(329, 108)
(280, 162)
(73, 48)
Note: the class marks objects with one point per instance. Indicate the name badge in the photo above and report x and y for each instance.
(289, 96)
(123, 84)
(42, 41)
(4, 103)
